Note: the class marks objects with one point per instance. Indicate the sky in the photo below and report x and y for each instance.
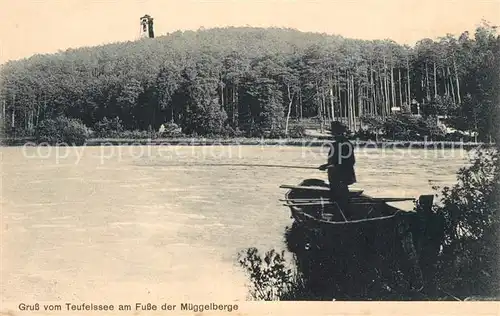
(29, 27)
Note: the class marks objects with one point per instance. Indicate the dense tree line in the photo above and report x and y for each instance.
(251, 82)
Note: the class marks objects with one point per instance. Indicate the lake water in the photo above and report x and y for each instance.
(153, 224)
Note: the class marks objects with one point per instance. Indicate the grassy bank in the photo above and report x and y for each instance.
(311, 142)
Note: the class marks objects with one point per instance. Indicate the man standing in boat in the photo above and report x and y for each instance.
(340, 166)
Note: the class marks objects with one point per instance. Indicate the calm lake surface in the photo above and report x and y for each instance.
(153, 224)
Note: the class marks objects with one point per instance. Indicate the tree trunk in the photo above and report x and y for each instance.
(326, 109)
(300, 104)
(296, 110)
(352, 109)
(153, 119)
(393, 87)
(400, 88)
(348, 100)
(318, 103)
(457, 81)
(236, 113)
(373, 93)
(319, 106)
(445, 83)
(3, 112)
(230, 102)
(37, 113)
(386, 90)
(408, 81)
(13, 118)
(341, 109)
(422, 89)
(376, 95)
(387, 94)
(349, 103)
(427, 90)
(290, 102)
(381, 94)
(363, 107)
(405, 93)
(452, 88)
(435, 82)
(172, 113)
(366, 95)
(383, 97)
(221, 89)
(32, 121)
(332, 108)
(44, 104)
(347, 91)
(360, 105)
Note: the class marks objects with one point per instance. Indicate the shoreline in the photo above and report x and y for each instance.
(310, 142)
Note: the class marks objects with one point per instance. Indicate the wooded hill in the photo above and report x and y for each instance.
(244, 81)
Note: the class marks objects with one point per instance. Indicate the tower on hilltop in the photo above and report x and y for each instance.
(147, 27)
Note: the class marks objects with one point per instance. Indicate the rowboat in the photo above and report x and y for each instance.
(343, 252)
(310, 204)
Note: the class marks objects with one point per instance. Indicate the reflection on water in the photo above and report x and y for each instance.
(96, 226)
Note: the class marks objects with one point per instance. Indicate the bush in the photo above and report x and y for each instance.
(440, 106)
(233, 132)
(365, 135)
(373, 124)
(457, 136)
(275, 133)
(297, 131)
(108, 128)
(170, 129)
(271, 279)
(404, 127)
(469, 260)
(205, 119)
(62, 130)
(136, 134)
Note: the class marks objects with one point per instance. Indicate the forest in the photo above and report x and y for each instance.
(256, 82)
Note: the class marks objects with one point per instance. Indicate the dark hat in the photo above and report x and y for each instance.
(337, 128)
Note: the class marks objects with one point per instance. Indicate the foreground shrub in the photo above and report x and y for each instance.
(62, 130)
(469, 261)
(271, 279)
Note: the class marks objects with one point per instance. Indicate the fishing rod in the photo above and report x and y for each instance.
(237, 165)
(260, 165)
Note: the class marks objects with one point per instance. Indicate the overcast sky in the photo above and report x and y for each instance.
(28, 27)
